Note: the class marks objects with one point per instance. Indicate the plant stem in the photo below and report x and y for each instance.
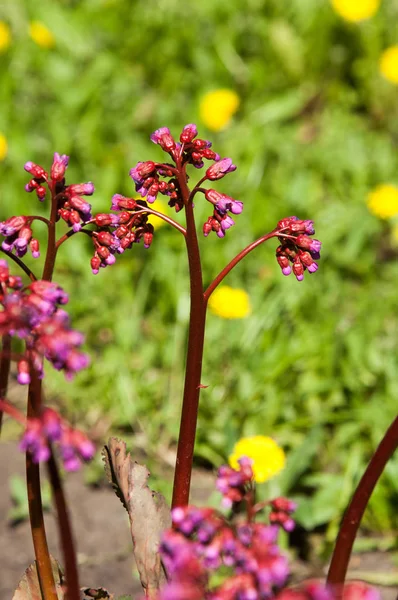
(197, 322)
(217, 280)
(354, 513)
(5, 362)
(19, 262)
(43, 561)
(65, 531)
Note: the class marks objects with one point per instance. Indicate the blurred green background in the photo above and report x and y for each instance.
(315, 365)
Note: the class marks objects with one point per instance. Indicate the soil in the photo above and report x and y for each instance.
(103, 540)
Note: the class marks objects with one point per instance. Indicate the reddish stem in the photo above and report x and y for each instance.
(43, 561)
(217, 280)
(65, 531)
(190, 404)
(21, 264)
(5, 362)
(354, 513)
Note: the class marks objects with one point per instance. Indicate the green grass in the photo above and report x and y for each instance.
(316, 364)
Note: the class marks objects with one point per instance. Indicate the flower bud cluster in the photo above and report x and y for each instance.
(203, 541)
(220, 221)
(235, 484)
(33, 314)
(146, 176)
(282, 509)
(118, 232)
(71, 207)
(73, 444)
(7, 281)
(188, 149)
(297, 247)
(19, 236)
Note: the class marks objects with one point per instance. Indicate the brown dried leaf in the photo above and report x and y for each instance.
(148, 512)
(29, 587)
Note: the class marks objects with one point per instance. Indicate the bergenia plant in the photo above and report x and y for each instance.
(36, 331)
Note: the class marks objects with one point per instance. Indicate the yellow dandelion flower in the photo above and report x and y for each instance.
(356, 10)
(5, 36)
(388, 64)
(41, 35)
(217, 108)
(268, 458)
(383, 201)
(230, 303)
(3, 147)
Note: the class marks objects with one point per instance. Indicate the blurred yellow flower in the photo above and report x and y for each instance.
(3, 147)
(383, 201)
(389, 64)
(230, 303)
(41, 35)
(268, 458)
(356, 10)
(160, 206)
(5, 36)
(217, 107)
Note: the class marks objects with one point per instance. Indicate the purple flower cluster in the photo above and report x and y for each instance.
(202, 541)
(118, 232)
(297, 247)
(18, 236)
(7, 281)
(73, 444)
(72, 208)
(233, 484)
(33, 314)
(282, 509)
(208, 557)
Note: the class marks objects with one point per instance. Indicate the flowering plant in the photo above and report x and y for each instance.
(31, 316)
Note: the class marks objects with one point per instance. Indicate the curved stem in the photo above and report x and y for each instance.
(354, 513)
(43, 561)
(217, 280)
(39, 218)
(69, 234)
(197, 321)
(65, 531)
(5, 362)
(21, 264)
(164, 217)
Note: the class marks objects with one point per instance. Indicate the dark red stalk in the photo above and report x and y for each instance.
(5, 362)
(190, 404)
(65, 531)
(354, 513)
(43, 561)
(33, 473)
(217, 280)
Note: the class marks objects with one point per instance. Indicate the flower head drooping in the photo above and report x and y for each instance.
(383, 201)
(34, 315)
(230, 303)
(356, 10)
(217, 108)
(297, 247)
(74, 445)
(19, 236)
(267, 457)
